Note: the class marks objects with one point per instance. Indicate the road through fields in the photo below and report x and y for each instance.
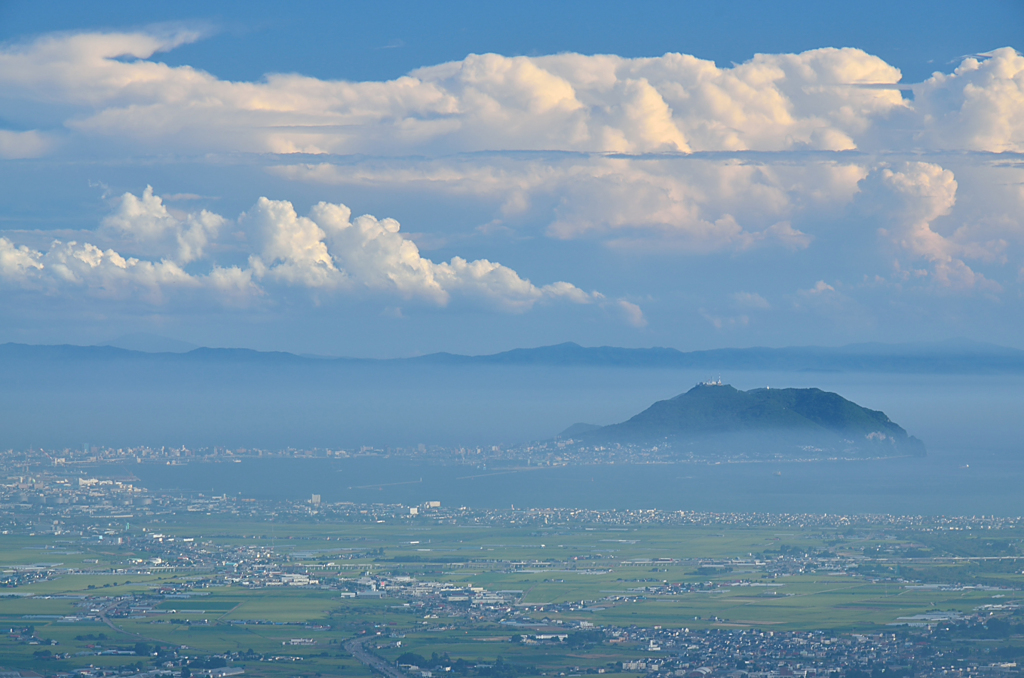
(356, 646)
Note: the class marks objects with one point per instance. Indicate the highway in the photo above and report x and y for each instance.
(357, 646)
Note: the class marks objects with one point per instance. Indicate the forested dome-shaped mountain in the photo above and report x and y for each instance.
(716, 417)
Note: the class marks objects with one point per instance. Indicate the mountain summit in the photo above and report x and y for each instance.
(717, 418)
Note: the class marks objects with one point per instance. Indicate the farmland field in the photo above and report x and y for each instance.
(277, 593)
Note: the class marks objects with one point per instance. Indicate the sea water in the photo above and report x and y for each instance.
(973, 426)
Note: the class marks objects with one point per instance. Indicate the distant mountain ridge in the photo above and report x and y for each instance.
(937, 357)
(951, 356)
(790, 421)
(150, 343)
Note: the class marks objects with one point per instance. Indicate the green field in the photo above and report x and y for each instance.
(725, 577)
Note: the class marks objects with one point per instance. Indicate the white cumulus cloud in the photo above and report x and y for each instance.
(145, 224)
(980, 106)
(326, 251)
(668, 154)
(926, 192)
(676, 102)
(330, 249)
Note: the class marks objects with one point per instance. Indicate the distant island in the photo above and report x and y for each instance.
(716, 419)
(64, 396)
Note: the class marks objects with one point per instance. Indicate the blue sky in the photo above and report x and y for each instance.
(397, 178)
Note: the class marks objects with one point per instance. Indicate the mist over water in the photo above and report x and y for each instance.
(933, 486)
(972, 425)
(314, 404)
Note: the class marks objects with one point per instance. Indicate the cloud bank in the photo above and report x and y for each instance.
(326, 251)
(663, 156)
(823, 99)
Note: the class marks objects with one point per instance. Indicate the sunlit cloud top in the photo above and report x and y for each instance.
(826, 157)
